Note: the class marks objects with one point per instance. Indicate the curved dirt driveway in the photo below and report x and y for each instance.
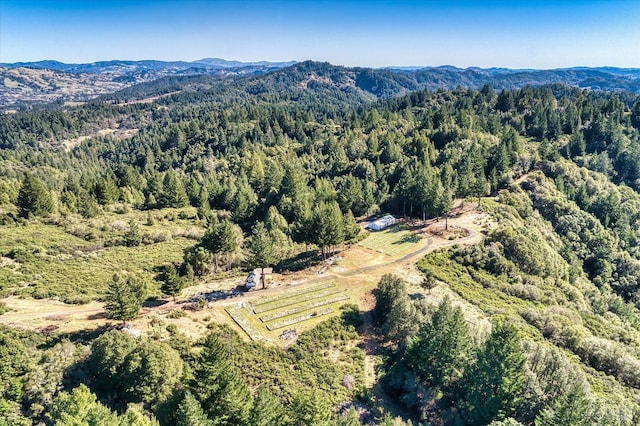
(46, 314)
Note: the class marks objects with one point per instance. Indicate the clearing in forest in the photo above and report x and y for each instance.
(392, 241)
(353, 275)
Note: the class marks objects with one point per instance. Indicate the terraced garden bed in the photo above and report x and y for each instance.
(301, 308)
(288, 301)
(262, 318)
(238, 315)
(299, 318)
(292, 293)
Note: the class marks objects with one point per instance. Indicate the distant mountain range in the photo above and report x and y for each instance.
(28, 83)
(128, 67)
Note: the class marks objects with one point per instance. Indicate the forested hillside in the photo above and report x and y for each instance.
(37, 84)
(230, 174)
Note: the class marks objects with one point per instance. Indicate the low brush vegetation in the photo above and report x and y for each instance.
(73, 259)
(571, 324)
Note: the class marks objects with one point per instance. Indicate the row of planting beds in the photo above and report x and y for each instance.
(240, 318)
(301, 290)
(299, 318)
(301, 308)
(288, 301)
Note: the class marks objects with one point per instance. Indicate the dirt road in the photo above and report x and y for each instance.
(368, 267)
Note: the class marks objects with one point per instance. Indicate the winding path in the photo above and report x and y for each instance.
(36, 314)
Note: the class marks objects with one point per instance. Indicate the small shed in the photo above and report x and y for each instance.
(258, 278)
(382, 223)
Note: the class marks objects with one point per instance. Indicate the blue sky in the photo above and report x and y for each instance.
(515, 34)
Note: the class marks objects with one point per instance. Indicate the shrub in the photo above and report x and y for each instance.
(157, 237)
(176, 313)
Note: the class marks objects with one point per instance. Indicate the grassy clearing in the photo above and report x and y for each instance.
(73, 259)
(392, 241)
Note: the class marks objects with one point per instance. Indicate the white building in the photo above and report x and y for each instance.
(382, 223)
(256, 278)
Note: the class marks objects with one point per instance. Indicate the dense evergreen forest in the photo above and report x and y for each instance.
(270, 168)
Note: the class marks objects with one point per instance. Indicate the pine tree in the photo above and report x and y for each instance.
(172, 283)
(267, 410)
(132, 237)
(33, 198)
(443, 205)
(390, 288)
(403, 319)
(124, 298)
(493, 385)
(256, 173)
(351, 227)
(327, 226)
(106, 191)
(274, 220)
(442, 349)
(262, 253)
(244, 203)
(198, 258)
(173, 192)
(210, 241)
(572, 409)
(350, 418)
(190, 412)
(203, 200)
(311, 408)
(635, 115)
(229, 237)
(218, 386)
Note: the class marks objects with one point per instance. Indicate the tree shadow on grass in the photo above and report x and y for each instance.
(408, 239)
(153, 303)
(99, 315)
(302, 261)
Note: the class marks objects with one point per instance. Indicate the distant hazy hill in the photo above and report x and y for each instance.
(25, 83)
(388, 82)
(47, 81)
(25, 86)
(606, 78)
(128, 67)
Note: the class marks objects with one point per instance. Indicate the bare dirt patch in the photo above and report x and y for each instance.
(444, 232)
